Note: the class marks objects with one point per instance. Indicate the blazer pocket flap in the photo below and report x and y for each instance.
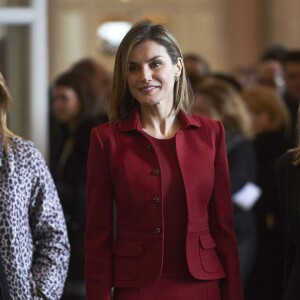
(128, 249)
(206, 241)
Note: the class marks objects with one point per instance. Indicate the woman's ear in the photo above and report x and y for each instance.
(178, 67)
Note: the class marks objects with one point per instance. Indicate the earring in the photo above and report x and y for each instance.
(176, 79)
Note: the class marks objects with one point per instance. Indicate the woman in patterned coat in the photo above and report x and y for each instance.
(34, 245)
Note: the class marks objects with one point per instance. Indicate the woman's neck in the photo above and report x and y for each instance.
(159, 124)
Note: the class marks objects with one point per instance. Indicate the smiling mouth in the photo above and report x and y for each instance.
(147, 88)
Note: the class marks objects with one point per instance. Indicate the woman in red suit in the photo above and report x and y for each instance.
(159, 213)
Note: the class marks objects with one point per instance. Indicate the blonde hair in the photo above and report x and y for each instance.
(5, 100)
(122, 102)
(264, 99)
(228, 103)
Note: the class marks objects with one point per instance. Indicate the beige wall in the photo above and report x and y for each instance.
(228, 33)
(284, 22)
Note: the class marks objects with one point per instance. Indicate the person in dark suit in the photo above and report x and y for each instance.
(166, 172)
(271, 124)
(287, 171)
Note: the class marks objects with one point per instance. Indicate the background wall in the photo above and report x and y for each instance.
(227, 33)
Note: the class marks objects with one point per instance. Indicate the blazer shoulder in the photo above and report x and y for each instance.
(211, 131)
(104, 130)
(212, 126)
(214, 129)
(107, 135)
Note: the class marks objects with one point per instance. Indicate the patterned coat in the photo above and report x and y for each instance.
(33, 238)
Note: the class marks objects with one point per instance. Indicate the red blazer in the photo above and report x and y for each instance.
(123, 170)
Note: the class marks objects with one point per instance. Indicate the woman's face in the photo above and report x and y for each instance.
(152, 75)
(66, 106)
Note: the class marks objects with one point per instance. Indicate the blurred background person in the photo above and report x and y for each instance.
(78, 104)
(245, 75)
(229, 80)
(275, 52)
(197, 68)
(218, 100)
(99, 80)
(34, 245)
(291, 65)
(287, 173)
(98, 83)
(271, 125)
(269, 72)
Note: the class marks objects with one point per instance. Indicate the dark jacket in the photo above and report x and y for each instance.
(70, 178)
(242, 170)
(288, 181)
(241, 160)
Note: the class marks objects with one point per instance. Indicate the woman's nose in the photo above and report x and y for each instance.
(146, 75)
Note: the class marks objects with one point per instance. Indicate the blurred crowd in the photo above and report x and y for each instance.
(79, 101)
(258, 108)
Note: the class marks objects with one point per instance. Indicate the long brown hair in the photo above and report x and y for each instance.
(122, 101)
(5, 100)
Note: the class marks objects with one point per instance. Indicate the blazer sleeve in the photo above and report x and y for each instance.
(221, 219)
(99, 230)
(49, 233)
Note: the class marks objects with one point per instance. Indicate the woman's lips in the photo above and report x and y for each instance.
(147, 88)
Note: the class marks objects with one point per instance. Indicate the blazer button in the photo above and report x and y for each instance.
(155, 172)
(149, 147)
(157, 230)
(156, 200)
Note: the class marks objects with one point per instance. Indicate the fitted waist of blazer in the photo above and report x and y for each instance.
(154, 230)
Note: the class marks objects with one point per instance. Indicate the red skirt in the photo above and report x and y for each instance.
(174, 284)
(172, 289)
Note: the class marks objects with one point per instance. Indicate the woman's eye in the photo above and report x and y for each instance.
(155, 64)
(133, 68)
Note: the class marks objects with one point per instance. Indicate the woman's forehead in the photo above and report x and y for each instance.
(147, 50)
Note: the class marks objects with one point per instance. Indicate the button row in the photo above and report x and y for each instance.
(157, 230)
(156, 200)
(155, 172)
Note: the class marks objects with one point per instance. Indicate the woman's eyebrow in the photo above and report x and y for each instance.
(149, 60)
